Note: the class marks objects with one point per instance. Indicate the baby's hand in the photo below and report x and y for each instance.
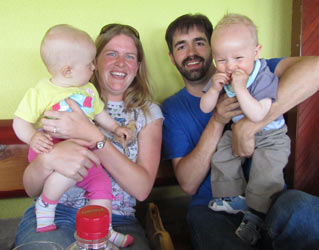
(41, 142)
(220, 80)
(124, 133)
(239, 79)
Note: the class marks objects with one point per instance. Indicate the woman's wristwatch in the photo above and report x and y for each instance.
(100, 144)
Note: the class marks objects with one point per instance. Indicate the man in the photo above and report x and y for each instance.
(190, 137)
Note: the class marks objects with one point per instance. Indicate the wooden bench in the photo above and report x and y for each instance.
(13, 161)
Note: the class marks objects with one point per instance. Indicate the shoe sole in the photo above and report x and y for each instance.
(224, 209)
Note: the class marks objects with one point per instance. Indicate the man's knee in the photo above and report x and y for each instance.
(295, 198)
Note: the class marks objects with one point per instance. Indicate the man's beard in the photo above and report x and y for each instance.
(195, 74)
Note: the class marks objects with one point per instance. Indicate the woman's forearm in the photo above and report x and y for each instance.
(132, 177)
(136, 178)
(67, 158)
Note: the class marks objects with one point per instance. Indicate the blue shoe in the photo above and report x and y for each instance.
(231, 205)
(249, 229)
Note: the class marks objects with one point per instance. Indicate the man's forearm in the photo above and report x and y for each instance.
(193, 168)
(298, 82)
(299, 79)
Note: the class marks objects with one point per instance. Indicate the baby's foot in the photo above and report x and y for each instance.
(119, 239)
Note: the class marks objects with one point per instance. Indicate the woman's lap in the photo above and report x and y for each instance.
(64, 235)
(65, 221)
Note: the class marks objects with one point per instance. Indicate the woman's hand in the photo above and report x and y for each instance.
(225, 109)
(67, 158)
(71, 125)
(71, 159)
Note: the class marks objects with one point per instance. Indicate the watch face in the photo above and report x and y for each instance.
(100, 145)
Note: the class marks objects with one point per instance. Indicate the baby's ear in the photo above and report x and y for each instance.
(257, 51)
(66, 71)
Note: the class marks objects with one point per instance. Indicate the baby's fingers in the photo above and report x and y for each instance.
(46, 148)
(48, 137)
(42, 148)
(46, 142)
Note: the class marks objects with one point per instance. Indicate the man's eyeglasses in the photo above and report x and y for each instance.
(113, 25)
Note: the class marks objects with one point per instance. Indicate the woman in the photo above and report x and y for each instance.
(121, 78)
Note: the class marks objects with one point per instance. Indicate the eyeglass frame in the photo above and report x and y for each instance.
(110, 26)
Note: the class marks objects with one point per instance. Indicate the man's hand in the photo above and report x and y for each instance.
(225, 109)
(243, 138)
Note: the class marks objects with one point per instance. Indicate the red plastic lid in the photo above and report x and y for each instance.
(92, 222)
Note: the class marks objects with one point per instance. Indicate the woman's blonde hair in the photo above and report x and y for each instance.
(138, 94)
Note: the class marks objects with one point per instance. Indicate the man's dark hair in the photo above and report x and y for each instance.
(186, 22)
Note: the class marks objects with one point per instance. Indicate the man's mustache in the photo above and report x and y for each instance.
(190, 58)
